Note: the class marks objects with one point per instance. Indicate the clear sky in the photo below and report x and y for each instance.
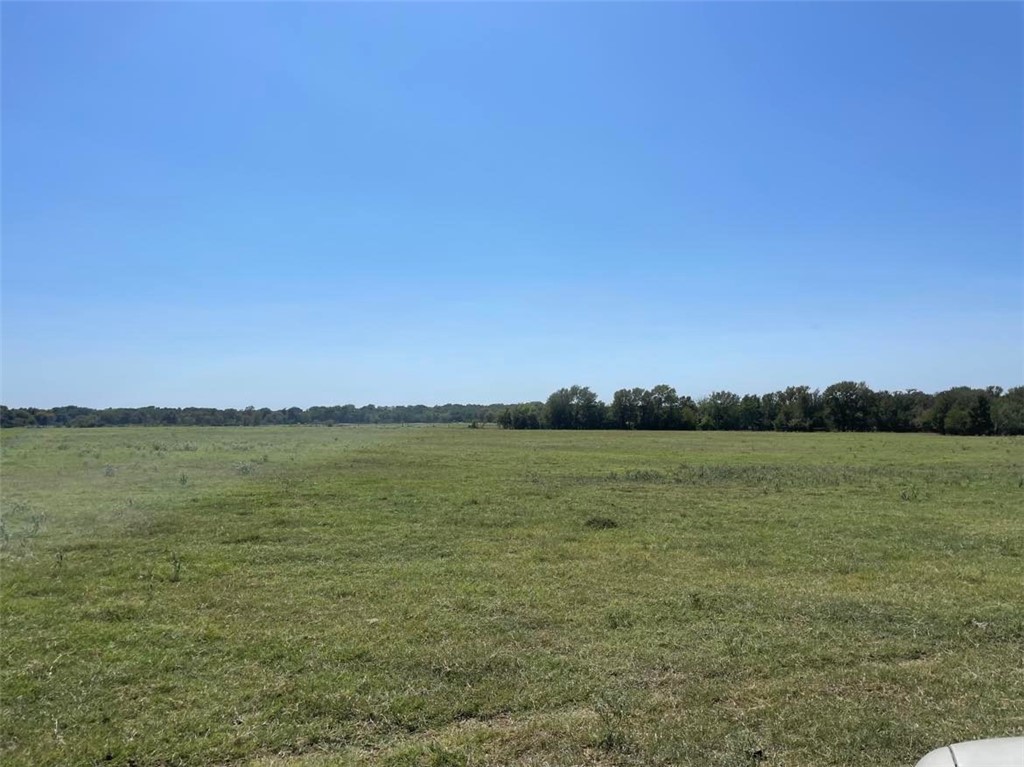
(296, 204)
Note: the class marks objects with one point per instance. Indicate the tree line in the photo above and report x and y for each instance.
(843, 406)
(321, 415)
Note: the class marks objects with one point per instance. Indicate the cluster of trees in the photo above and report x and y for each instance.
(844, 406)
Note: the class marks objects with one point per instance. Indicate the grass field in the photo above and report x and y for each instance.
(448, 596)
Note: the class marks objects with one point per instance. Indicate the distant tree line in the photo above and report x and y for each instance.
(83, 417)
(843, 406)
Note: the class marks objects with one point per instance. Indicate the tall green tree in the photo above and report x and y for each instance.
(624, 412)
(1008, 412)
(961, 410)
(720, 410)
(574, 408)
(795, 408)
(751, 417)
(901, 411)
(849, 406)
(659, 408)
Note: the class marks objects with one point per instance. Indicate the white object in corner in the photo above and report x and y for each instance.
(994, 752)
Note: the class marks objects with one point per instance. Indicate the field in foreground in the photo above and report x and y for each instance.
(299, 597)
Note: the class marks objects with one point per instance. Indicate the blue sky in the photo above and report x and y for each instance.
(281, 204)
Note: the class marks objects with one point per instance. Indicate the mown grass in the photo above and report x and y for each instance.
(448, 596)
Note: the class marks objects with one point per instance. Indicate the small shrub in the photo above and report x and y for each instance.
(644, 475)
(614, 710)
(601, 523)
(440, 757)
(614, 740)
(175, 568)
(619, 619)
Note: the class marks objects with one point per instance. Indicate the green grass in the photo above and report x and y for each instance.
(448, 596)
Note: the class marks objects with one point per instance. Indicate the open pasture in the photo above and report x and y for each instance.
(299, 597)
